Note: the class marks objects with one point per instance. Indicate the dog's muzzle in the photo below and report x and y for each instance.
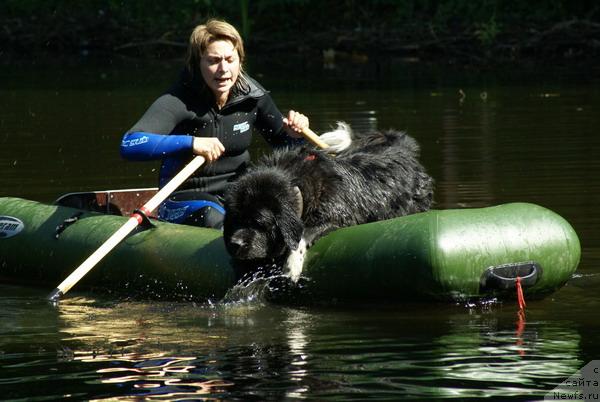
(246, 245)
(237, 247)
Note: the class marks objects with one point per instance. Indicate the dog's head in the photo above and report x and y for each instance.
(262, 217)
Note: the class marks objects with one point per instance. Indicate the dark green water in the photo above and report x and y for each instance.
(516, 135)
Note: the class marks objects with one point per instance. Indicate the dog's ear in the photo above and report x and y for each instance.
(298, 201)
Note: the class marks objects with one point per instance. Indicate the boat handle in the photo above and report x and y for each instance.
(502, 277)
(66, 223)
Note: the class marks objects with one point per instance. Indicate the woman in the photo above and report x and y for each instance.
(210, 111)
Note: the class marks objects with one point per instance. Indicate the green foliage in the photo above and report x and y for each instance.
(63, 25)
(487, 32)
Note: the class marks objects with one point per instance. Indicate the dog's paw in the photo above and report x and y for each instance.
(295, 261)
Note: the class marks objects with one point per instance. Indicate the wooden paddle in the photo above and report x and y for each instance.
(135, 219)
(314, 138)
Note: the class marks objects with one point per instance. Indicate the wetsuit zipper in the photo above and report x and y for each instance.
(216, 123)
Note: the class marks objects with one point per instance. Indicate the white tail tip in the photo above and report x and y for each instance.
(338, 139)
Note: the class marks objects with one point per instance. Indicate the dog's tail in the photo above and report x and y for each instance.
(378, 141)
(343, 138)
(338, 139)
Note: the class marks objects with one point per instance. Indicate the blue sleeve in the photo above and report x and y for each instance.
(150, 138)
(142, 146)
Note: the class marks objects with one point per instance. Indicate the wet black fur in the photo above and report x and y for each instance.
(377, 177)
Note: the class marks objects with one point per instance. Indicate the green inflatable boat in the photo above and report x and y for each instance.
(437, 255)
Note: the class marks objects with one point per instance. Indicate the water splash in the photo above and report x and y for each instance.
(267, 283)
(252, 287)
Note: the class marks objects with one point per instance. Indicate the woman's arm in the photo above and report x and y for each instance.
(294, 123)
(270, 123)
(144, 146)
(150, 137)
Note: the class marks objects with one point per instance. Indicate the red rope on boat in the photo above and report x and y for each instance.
(520, 297)
(520, 316)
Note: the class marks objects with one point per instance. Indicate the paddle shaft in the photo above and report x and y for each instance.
(314, 138)
(128, 227)
(136, 219)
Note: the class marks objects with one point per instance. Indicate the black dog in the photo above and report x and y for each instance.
(291, 198)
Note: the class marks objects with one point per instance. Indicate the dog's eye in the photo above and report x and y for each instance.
(264, 218)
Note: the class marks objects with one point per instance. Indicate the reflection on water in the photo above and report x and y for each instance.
(157, 377)
(486, 139)
(160, 351)
(508, 362)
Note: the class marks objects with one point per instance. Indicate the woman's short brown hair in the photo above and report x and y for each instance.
(203, 35)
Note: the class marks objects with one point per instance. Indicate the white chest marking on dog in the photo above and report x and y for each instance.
(295, 261)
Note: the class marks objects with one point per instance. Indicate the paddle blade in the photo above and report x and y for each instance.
(55, 295)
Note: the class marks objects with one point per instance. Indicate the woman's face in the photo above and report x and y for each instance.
(220, 67)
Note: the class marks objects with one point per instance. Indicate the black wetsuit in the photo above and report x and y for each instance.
(187, 110)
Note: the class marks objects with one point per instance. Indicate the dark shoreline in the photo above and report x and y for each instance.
(573, 42)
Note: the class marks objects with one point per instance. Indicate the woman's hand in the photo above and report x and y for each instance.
(209, 147)
(294, 123)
